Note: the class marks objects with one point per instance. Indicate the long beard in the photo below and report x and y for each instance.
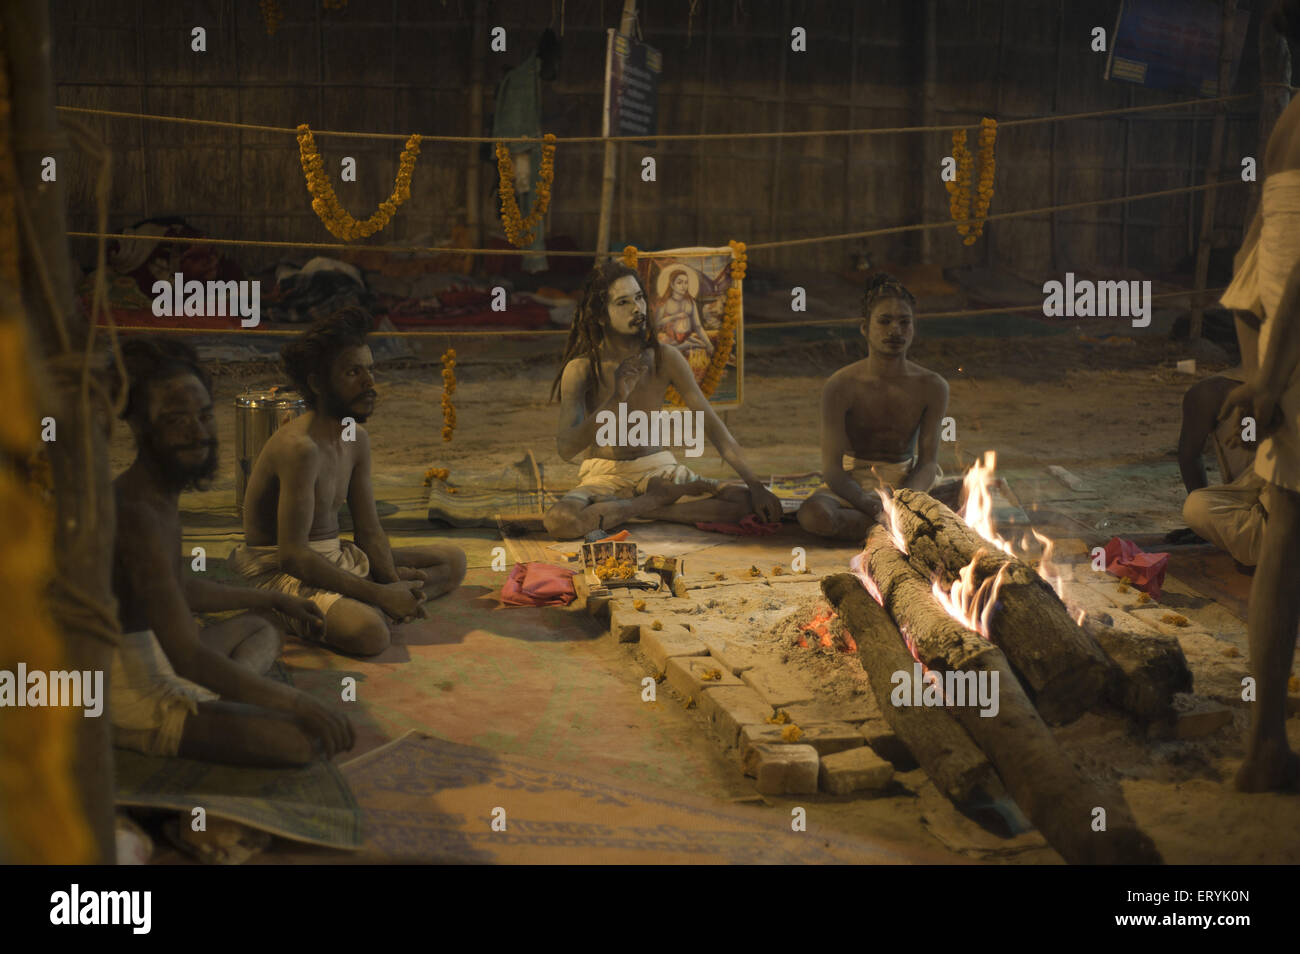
(176, 475)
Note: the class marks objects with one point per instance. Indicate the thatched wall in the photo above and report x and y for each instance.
(405, 66)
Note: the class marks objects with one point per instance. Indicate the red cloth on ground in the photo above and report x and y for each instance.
(538, 584)
(749, 526)
(1146, 571)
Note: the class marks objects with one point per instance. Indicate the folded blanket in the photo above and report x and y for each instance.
(538, 584)
(1146, 571)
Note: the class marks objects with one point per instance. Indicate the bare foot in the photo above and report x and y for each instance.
(1278, 771)
(664, 491)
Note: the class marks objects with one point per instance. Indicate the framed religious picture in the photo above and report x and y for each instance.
(687, 290)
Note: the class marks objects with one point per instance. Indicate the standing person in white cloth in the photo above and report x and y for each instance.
(1266, 280)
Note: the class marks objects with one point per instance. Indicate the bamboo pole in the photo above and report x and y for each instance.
(1212, 167)
(473, 164)
(626, 26)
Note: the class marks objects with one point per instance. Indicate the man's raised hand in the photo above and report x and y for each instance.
(630, 373)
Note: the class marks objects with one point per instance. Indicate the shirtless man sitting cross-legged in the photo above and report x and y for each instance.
(613, 358)
(177, 688)
(307, 470)
(880, 423)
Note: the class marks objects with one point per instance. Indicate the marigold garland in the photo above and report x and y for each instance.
(520, 230)
(629, 256)
(326, 204)
(959, 192)
(271, 15)
(448, 389)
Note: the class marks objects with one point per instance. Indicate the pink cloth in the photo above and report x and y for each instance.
(1146, 571)
(538, 584)
(749, 526)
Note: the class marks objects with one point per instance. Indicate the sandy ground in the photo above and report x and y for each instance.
(1108, 412)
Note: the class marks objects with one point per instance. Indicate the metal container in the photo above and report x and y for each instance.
(259, 412)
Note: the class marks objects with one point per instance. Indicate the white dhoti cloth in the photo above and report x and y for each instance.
(260, 566)
(149, 703)
(870, 474)
(601, 480)
(1258, 286)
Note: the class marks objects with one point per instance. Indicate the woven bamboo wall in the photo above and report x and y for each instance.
(402, 66)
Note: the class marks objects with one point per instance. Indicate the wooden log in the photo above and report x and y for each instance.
(1149, 670)
(1063, 668)
(1049, 788)
(954, 763)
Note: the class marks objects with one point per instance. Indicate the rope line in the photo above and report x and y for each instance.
(664, 137)
(536, 333)
(871, 233)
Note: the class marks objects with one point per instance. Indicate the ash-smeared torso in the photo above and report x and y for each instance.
(647, 396)
(882, 415)
(138, 508)
(291, 451)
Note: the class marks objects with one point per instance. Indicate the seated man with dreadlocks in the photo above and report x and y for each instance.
(613, 358)
(880, 423)
(178, 688)
(308, 469)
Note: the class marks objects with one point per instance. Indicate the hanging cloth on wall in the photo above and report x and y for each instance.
(519, 113)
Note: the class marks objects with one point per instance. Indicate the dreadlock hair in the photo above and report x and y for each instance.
(156, 358)
(313, 351)
(589, 321)
(884, 286)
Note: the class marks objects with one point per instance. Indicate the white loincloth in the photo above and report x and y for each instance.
(148, 702)
(260, 566)
(1258, 286)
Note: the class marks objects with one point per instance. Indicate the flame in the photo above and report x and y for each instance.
(1082, 616)
(820, 626)
(971, 605)
(1047, 569)
(887, 501)
(978, 512)
(859, 567)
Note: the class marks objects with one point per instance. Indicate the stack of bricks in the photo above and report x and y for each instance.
(788, 742)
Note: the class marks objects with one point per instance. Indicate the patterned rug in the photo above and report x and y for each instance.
(311, 805)
(428, 800)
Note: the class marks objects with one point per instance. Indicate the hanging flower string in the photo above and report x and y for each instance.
(271, 15)
(448, 389)
(326, 204)
(959, 192)
(519, 230)
(629, 256)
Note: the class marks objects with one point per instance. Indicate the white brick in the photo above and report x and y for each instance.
(855, 770)
(783, 769)
(673, 640)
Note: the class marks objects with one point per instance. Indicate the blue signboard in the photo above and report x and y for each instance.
(1173, 45)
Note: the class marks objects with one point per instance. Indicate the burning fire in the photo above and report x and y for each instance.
(970, 604)
(887, 501)
(1046, 568)
(978, 512)
(820, 626)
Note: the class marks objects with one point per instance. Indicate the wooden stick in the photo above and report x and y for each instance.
(1150, 670)
(954, 763)
(1044, 782)
(1060, 664)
